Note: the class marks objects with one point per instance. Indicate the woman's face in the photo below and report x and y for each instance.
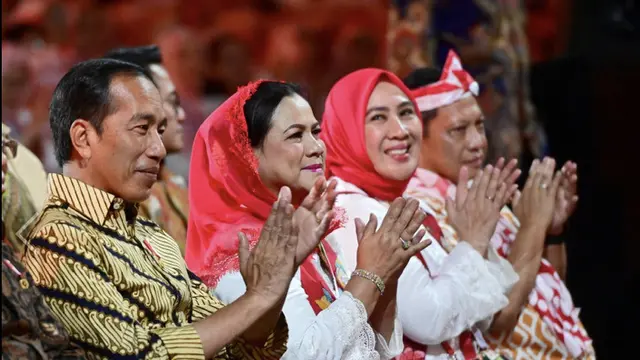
(393, 132)
(292, 153)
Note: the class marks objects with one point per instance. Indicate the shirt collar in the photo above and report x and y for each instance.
(86, 199)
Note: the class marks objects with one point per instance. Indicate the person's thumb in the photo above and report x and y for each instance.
(359, 229)
(243, 253)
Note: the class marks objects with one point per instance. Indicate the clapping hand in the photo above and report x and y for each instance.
(536, 205)
(386, 251)
(476, 210)
(268, 269)
(313, 217)
(566, 198)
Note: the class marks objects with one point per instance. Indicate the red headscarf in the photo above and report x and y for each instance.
(343, 133)
(226, 194)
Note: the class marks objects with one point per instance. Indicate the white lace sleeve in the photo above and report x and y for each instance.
(341, 331)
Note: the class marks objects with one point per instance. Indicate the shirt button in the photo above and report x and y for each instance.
(117, 204)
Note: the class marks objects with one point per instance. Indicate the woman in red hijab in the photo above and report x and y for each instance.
(263, 138)
(373, 132)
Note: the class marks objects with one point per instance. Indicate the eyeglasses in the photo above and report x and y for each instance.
(10, 145)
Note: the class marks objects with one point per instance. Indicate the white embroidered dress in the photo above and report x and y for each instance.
(341, 331)
(463, 292)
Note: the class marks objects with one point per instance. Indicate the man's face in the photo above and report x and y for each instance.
(125, 159)
(455, 138)
(173, 136)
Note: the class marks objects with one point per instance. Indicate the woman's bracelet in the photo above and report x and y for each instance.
(370, 276)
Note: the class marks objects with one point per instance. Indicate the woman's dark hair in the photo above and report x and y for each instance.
(258, 110)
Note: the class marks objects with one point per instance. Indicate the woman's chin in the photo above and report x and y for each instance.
(307, 180)
(399, 172)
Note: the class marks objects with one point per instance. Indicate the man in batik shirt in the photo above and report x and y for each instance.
(540, 321)
(168, 205)
(116, 281)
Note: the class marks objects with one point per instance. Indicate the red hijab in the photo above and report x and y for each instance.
(343, 133)
(226, 194)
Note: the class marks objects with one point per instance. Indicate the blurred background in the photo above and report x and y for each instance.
(557, 77)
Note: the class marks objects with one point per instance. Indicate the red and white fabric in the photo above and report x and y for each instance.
(454, 84)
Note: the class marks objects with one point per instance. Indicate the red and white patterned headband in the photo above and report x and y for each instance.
(454, 84)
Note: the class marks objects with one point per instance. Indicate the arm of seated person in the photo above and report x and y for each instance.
(264, 337)
(98, 317)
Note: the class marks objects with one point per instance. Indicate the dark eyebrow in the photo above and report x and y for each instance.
(294, 126)
(143, 116)
(405, 103)
(378, 108)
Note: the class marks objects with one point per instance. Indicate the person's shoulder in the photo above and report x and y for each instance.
(56, 219)
(59, 229)
(346, 188)
(355, 200)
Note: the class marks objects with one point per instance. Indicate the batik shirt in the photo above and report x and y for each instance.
(118, 283)
(168, 206)
(29, 329)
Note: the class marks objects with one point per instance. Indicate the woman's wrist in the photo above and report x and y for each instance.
(365, 291)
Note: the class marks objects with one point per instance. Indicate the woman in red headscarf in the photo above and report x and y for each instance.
(373, 133)
(263, 138)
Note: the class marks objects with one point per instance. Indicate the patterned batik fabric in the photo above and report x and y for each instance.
(29, 329)
(118, 283)
(533, 337)
(168, 206)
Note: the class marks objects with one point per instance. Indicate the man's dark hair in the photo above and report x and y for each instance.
(258, 110)
(419, 78)
(143, 56)
(84, 93)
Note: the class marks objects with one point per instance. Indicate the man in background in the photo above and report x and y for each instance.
(533, 324)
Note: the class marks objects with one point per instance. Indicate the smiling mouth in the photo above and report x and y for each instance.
(399, 153)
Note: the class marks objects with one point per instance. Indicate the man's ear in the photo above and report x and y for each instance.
(82, 133)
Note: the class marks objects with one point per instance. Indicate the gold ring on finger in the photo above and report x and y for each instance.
(543, 186)
(490, 198)
(405, 244)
